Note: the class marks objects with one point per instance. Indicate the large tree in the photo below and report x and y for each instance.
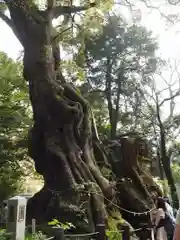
(63, 140)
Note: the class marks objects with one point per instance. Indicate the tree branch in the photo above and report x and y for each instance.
(10, 23)
(173, 3)
(61, 33)
(23, 14)
(61, 10)
(169, 98)
(7, 20)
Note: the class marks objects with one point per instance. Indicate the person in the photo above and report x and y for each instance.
(169, 209)
(177, 226)
(163, 224)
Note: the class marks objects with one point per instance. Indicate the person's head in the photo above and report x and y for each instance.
(166, 199)
(160, 203)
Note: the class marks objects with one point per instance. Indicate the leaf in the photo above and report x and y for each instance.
(54, 222)
(3, 7)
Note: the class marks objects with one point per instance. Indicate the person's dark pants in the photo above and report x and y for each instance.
(170, 237)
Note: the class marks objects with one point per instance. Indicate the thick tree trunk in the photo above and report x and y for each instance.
(63, 141)
(61, 146)
(60, 141)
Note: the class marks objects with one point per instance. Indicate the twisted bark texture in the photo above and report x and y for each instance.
(64, 144)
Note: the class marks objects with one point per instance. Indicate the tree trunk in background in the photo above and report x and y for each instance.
(165, 159)
(167, 169)
(113, 111)
(134, 186)
(108, 93)
(161, 170)
(64, 144)
(116, 112)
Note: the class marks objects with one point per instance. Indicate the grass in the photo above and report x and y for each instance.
(37, 236)
(28, 236)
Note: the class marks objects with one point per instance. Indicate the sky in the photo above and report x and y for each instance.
(8, 42)
(168, 37)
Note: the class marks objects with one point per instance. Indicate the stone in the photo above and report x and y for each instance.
(17, 217)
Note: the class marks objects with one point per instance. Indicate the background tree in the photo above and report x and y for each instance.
(164, 127)
(114, 62)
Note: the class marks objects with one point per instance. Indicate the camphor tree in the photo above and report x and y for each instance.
(64, 154)
(63, 137)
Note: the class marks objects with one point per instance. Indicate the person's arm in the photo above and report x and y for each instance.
(177, 232)
(159, 215)
(177, 227)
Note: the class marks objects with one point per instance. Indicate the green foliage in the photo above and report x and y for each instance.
(113, 62)
(113, 233)
(37, 236)
(66, 226)
(14, 123)
(107, 173)
(175, 167)
(2, 7)
(4, 235)
(163, 184)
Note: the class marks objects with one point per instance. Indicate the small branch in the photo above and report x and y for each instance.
(61, 33)
(131, 133)
(7, 20)
(156, 8)
(173, 3)
(51, 4)
(10, 23)
(62, 10)
(170, 98)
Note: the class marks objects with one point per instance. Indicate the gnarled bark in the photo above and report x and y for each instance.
(61, 146)
(134, 187)
(63, 141)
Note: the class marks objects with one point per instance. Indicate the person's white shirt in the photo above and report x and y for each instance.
(170, 211)
(177, 227)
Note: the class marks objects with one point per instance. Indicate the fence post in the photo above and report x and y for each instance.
(33, 226)
(59, 233)
(126, 233)
(101, 229)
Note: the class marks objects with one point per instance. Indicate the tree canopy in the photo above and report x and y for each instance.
(116, 65)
